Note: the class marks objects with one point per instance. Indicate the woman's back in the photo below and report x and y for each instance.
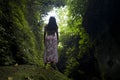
(51, 41)
(50, 31)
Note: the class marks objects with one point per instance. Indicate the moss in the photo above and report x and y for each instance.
(16, 31)
(0, 13)
(23, 72)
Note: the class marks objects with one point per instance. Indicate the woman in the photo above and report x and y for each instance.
(51, 42)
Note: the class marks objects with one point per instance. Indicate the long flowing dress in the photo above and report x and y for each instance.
(51, 52)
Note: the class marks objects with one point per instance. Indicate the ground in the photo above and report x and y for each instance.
(29, 72)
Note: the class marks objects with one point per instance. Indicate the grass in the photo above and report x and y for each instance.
(29, 72)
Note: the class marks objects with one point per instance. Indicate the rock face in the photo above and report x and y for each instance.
(102, 21)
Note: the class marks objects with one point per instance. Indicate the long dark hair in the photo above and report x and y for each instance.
(52, 25)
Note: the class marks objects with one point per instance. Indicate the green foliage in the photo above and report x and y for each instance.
(73, 64)
(21, 35)
(76, 47)
(74, 40)
(77, 7)
(20, 42)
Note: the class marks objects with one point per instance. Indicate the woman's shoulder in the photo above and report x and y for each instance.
(45, 27)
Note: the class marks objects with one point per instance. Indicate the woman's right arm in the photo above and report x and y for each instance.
(57, 36)
(44, 33)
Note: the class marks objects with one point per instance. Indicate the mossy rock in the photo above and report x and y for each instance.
(42, 77)
(30, 72)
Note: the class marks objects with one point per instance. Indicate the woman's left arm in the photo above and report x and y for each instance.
(57, 36)
(44, 34)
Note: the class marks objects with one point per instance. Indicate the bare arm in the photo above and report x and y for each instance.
(44, 34)
(57, 36)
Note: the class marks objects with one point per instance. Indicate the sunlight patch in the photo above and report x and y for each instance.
(61, 15)
(51, 13)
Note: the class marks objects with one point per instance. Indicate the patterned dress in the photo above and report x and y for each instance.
(50, 52)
